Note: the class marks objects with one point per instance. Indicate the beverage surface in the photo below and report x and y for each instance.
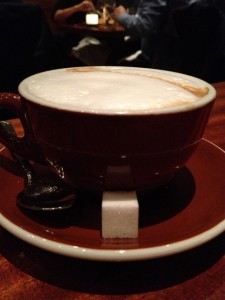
(113, 90)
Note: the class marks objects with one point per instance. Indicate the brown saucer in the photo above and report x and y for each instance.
(185, 214)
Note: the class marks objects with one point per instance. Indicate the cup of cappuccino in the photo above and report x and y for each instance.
(110, 128)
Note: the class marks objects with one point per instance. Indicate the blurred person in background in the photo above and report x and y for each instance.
(78, 50)
(70, 12)
(147, 24)
(178, 35)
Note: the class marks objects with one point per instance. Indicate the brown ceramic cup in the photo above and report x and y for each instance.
(73, 125)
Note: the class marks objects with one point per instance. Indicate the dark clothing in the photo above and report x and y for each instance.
(148, 22)
(127, 3)
(27, 45)
(181, 35)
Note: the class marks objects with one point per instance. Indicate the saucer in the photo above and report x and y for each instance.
(186, 213)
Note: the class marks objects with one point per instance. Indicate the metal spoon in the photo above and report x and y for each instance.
(40, 193)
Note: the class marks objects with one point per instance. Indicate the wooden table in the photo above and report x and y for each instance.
(101, 31)
(27, 272)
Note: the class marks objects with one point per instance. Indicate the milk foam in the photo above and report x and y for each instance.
(111, 90)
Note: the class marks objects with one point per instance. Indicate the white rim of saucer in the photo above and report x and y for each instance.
(112, 255)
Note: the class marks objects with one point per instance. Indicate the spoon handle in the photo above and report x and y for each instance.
(24, 163)
(38, 194)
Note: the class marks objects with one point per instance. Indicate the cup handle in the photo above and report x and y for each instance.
(25, 146)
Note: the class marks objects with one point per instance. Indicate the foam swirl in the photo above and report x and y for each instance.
(113, 90)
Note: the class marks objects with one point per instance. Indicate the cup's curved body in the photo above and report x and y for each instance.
(114, 152)
(107, 151)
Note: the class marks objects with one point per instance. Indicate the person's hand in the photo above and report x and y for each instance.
(87, 6)
(118, 11)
